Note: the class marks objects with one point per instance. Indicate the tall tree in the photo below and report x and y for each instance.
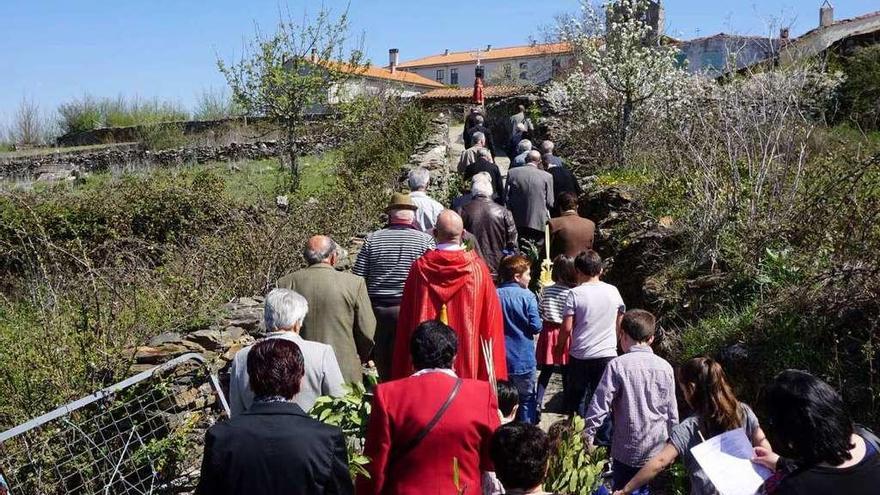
(624, 49)
(302, 67)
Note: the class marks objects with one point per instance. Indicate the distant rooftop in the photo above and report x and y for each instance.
(487, 54)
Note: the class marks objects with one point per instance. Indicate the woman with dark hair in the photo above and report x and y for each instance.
(423, 425)
(716, 410)
(274, 446)
(824, 451)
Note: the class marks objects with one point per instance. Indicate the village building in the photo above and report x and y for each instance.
(530, 64)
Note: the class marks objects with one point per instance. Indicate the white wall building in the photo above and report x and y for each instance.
(529, 64)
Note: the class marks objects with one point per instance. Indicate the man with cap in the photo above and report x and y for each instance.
(384, 262)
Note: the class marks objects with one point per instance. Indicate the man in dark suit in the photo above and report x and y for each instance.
(274, 447)
(479, 126)
(570, 234)
(529, 195)
(406, 456)
(563, 180)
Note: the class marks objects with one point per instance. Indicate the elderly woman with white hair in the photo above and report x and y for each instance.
(428, 208)
(283, 316)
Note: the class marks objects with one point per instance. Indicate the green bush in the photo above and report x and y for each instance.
(161, 136)
(88, 113)
(858, 97)
(89, 272)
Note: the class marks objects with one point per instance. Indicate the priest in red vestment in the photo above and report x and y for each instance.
(453, 284)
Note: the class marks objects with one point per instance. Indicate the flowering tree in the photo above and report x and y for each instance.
(624, 64)
(301, 67)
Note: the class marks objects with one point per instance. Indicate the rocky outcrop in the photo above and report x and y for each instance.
(239, 325)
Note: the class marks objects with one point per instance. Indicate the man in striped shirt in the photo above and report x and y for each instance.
(384, 261)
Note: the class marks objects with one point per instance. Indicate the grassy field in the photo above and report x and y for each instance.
(246, 181)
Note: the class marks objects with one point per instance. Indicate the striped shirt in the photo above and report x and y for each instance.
(553, 303)
(386, 257)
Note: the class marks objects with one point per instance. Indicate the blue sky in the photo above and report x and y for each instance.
(55, 50)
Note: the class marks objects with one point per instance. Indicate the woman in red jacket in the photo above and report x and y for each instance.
(432, 428)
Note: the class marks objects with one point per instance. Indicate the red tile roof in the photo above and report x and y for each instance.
(493, 54)
(382, 73)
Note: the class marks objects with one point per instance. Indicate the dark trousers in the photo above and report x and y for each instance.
(386, 330)
(581, 378)
(525, 388)
(621, 474)
(547, 371)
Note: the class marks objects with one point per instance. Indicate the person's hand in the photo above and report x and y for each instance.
(765, 457)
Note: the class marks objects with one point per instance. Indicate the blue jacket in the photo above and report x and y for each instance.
(521, 323)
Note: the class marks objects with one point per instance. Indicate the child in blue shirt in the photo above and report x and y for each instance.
(521, 323)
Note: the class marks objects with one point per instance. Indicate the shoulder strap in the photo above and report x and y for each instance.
(416, 440)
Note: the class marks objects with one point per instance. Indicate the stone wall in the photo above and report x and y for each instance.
(60, 166)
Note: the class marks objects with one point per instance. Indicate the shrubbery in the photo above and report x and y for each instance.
(89, 273)
(88, 113)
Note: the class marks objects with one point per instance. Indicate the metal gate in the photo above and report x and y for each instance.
(142, 435)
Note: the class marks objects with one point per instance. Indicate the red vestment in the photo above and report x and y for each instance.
(401, 409)
(478, 91)
(461, 281)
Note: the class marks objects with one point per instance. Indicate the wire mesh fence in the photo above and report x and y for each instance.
(140, 436)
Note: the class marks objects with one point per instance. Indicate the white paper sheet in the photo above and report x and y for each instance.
(726, 460)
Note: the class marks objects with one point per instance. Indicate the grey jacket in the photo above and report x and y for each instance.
(529, 195)
(322, 375)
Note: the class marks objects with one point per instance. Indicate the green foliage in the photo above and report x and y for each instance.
(161, 136)
(859, 95)
(165, 454)
(300, 68)
(216, 105)
(573, 469)
(88, 113)
(89, 271)
(351, 414)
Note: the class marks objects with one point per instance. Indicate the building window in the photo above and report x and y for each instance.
(440, 75)
(523, 70)
(508, 71)
(453, 76)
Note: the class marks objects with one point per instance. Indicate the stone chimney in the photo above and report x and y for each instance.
(446, 52)
(488, 48)
(314, 54)
(393, 58)
(784, 33)
(826, 14)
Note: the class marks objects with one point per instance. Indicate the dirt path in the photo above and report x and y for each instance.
(457, 146)
(553, 401)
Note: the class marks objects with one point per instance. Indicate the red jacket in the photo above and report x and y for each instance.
(461, 281)
(401, 408)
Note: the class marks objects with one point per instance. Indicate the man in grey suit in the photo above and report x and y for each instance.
(529, 196)
(340, 313)
(283, 316)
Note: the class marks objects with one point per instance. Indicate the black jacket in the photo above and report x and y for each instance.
(469, 137)
(274, 448)
(563, 181)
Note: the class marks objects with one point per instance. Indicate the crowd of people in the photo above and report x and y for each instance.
(445, 305)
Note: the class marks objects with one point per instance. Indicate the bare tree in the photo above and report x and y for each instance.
(300, 68)
(27, 125)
